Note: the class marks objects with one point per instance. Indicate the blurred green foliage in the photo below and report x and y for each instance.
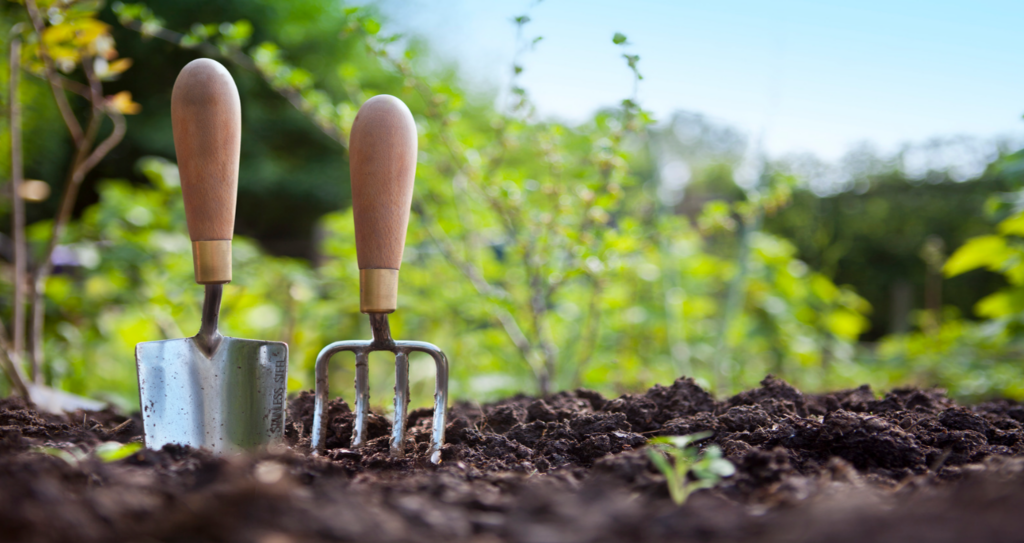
(541, 255)
(973, 358)
(872, 235)
(135, 284)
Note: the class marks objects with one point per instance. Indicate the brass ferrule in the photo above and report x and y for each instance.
(212, 261)
(378, 290)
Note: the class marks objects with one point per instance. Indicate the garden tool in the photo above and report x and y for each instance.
(382, 158)
(210, 391)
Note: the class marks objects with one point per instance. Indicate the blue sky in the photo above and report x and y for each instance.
(815, 77)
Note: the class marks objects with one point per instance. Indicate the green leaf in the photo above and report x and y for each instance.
(979, 252)
(112, 451)
(69, 457)
(240, 32)
(722, 467)
(371, 26)
(684, 441)
(1005, 303)
(619, 38)
(847, 324)
(1013, 226)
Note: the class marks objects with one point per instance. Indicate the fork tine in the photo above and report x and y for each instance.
(362, 350)
(362, 398)
(440, 395)
(401, 404)
(318, 439)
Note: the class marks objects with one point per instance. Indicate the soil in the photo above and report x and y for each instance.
(848, 466)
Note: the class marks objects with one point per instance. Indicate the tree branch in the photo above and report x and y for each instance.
(82, 166)
(17, 204)
(236, 56)
(74, 127)
(507, 320)
(11, 363)
(107, 145)
(84, 161)
(592, 329)
(12, 358)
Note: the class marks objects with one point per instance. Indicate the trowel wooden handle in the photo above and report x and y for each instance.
(382, 160)
(206, 116)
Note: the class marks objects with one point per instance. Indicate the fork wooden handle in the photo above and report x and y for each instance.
(206, 117)
(382, 161)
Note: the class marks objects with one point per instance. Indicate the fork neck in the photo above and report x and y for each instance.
(381, 332)
(209, 338)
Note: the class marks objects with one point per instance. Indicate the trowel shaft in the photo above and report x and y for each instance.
(209, 337)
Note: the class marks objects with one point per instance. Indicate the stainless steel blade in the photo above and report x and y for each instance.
(229, 402)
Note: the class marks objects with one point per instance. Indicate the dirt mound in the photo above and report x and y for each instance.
(570, 467)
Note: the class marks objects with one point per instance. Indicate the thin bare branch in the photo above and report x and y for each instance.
(74, 86)
(107, 145)
(592, 329)
(95, 86)
(69, 85)
(512, 224)
(507, 320)
(11, 363)
(17, 204)
(45, 268)
(12, 354)
(83, 165)
(74, 127)
(85, 160)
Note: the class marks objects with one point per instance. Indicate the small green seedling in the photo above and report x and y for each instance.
(676, 459)
(112, 451)
(109, 451)
(73, 456)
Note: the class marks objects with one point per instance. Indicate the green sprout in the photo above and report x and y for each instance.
(73, 456)
(108, 451)
(112, 451)
(676, 459)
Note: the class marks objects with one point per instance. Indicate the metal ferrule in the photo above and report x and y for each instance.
(382, 341)
(378, 290)
(212, 261)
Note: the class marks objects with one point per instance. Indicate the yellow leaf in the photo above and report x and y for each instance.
(60, 53)
(122, 102)
(119, 66)
(823, 288)
(846, 324)
(1013, 226)
(1004, 303)
(58, 34)
(982, 251)
(87, 30)
(106, 71)
(995, 305)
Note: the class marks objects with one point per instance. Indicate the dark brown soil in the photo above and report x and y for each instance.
(912, 465)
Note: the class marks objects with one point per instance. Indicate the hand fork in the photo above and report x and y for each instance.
(382, 158)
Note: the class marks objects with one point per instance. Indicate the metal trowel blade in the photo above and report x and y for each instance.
(231, 402)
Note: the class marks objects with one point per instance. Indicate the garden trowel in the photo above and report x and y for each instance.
(210, 391)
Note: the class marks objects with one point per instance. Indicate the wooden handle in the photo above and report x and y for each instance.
(206, 116)
(382, 161)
